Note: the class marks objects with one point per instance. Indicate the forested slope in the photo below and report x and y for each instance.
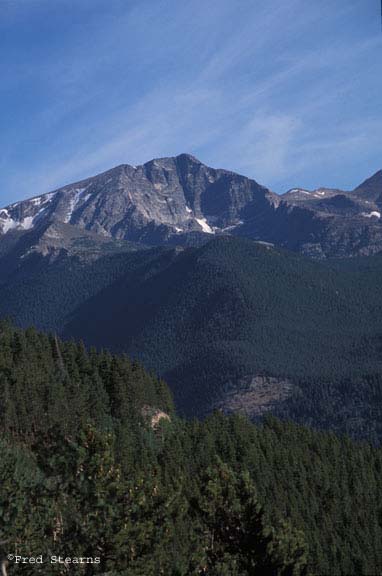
(217, 320)
(94, 463)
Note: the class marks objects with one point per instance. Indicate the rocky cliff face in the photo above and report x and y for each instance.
(180, 200)
(151, 203)
(371, 190)
(330, 222)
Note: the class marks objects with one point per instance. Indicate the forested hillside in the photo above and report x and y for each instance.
(95, 464)
(232, 324)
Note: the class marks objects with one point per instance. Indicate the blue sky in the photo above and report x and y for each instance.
(288, 92)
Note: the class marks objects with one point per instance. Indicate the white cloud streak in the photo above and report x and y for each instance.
(261, 97)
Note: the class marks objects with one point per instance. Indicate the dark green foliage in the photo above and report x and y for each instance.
(86, 471)
(329, 487)
(237, 540)
(48, 384)
(208, 318)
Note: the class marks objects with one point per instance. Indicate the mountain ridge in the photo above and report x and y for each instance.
(179, 200)
(131, 198)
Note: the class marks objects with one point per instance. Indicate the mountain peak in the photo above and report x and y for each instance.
(371, 188)
(188, 157)
(183, 158)
(179, 199)
(162, 199)
(374, 180)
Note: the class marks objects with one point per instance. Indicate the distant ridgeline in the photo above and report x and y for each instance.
(95, 464)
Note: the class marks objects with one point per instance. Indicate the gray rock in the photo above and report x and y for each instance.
(181, 201)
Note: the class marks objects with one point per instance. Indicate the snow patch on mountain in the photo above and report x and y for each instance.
(74, 200)
(232, 226)
(8, 223)
(204, 225)
(299, 191)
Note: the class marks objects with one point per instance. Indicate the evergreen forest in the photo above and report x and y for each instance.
(96, 466)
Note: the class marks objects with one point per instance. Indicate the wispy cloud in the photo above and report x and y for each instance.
(275, 90)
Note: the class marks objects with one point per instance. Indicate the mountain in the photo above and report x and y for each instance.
(181, 201)
(371, 189)
(233, 324)
(184, 267)
(163, 199)
(330, 222)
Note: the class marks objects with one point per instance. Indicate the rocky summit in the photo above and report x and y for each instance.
(179, 200)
